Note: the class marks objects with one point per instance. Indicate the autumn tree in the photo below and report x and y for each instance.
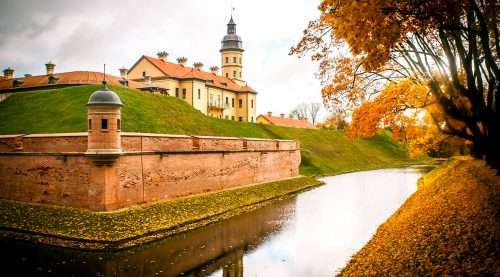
(450, 46)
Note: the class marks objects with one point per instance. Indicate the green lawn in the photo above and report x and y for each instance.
(323, 151)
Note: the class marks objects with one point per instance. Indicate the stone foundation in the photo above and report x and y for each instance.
(53, 168)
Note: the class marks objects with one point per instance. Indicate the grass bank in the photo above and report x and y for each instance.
(449, 226)
(324, 152)
(82, 229)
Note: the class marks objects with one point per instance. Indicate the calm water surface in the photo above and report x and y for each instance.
(313, 234)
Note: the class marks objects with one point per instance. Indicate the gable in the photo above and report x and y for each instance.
(144, 65)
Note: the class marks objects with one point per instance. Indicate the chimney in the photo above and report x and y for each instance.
(147, 80)
(50, 68)
(123, 72)
(198, 65)
(8, 73)
(182, 61)
(282, 115)
(214, 70)
(270, 113)
(162, 56)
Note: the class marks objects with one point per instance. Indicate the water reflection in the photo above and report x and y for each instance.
(313, 234)
(197, 253)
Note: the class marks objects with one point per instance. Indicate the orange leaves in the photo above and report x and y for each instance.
(402, 107)
(448, 227)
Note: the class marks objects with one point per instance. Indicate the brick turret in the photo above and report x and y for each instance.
(104, 126)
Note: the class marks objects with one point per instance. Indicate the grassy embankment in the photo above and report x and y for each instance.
(448, 227)
(324, 152)
(63, 110)
(77, 228)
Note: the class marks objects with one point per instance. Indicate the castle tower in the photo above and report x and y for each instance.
(104, 126)
(232, 54)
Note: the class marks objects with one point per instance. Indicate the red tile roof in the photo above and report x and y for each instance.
(180, 72)
(288, 122)
(65, 78)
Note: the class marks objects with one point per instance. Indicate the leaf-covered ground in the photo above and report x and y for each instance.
(79, 228)
(450, 226)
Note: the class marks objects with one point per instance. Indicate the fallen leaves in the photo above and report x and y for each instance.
(448, 227)
(78, 228)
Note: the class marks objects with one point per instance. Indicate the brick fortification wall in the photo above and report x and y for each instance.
(53, 168)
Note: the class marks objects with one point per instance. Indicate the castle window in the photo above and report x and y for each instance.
(234, 59)
(240, 103)
(90, 124)
(240, 60)
(232, 102)
(234, 73)
(199, 93)
(118, 124)
(227, 102)
(251, 103)
(227, 74)
(227, 59)
(143, 73)
(176, 92)
(104, 124)
(183, 93)
(252, 119)
(240, 119)
(232, 117)
(240, 74)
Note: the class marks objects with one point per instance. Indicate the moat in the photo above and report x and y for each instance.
(312, 234)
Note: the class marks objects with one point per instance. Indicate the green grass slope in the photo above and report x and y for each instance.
(63, 110)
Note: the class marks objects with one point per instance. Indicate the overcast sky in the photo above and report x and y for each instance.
(83, 35)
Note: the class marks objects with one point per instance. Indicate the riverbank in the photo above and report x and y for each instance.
(448, 227)
(82, 229)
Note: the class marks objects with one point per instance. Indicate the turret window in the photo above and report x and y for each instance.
(176, 92)
(240, 60)
(240, 74)
(90, 124)
(232, 102)
(199, 93)
(227, 74)
(118, 124)
(104, 124)
(240, 103)
(234, 73)
(227, 59)
(183, 93)
(251, 103)
(234, 59)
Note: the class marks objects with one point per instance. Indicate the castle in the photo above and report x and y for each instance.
(224, 96)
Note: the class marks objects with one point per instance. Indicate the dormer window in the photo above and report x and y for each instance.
(53, 79)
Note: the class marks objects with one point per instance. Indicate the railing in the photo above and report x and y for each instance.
(218, 105)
